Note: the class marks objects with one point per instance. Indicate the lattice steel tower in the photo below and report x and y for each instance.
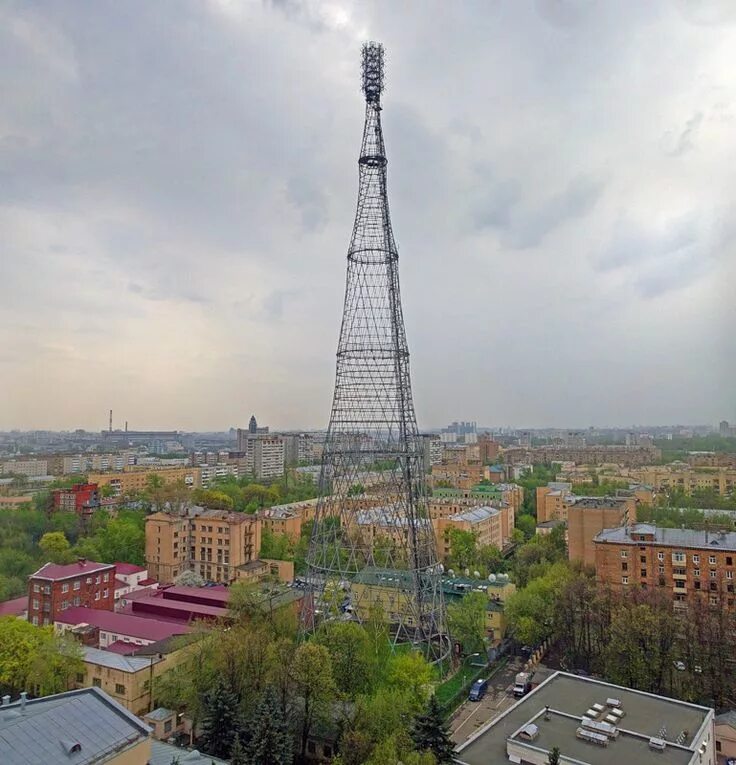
(372, 551)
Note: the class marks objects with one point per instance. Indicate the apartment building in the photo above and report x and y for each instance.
(617, 454)
(281, 520)
(297, 448)
(711, 459)
(553, 501)
(488, 449)
(686, 562)
(55, 588)
(82, 499)
(486, 523)
(683, 477)
(100, 463)
(588, 516)
(263, 455)
(432, 450)
(28, 468)
(135, 478)
(510, 493)
(212, 543)
(459, 475)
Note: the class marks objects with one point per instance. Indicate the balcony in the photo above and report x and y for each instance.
(679, 576)
(678, 559)
(679, 588)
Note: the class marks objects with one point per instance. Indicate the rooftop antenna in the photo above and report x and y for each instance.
(111, 421)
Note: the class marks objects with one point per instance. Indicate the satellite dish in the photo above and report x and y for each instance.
(476, 574)
(491, 577)
(467, 572)
(441, 568)
(450, 572)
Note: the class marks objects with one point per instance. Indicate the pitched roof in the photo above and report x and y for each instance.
(47, 729)
(128, 568)
(14, 607)
(165, 754)
(115, 661)
(693, 538)
(121, 624)
(54, 571)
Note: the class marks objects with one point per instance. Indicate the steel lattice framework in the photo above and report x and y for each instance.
(372, 551)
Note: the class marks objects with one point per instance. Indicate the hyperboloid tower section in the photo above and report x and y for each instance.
(372, 553)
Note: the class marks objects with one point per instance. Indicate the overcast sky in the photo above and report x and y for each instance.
(178, 181)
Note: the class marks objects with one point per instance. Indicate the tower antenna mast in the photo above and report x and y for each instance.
(373, 547)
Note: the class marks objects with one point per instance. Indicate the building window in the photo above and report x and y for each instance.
(76, 601)
(642, 559)
(624, 566)
(89, 580)
(97, 682)
(729, 560)
(712, 560)
(77, 584)
(678, 557)
(35, 604)
(696, 572)
(36, 588)
(661, 569)
(624, 554)
(167, 726)
(713, 574)
(65, 587)
(643, 573)
(80, 677)
(696, 559)
(106, 578)
(624, 580)
(104, 593)
(713, 600)
(697, 584)
(64, 605)
(660, 556)
(729, 574)
(35, 621)
(119, 689)
(97, 596)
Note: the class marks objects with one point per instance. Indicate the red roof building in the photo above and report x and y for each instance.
(116, 627)
(82, 499)
(54, 588)
(15, 607)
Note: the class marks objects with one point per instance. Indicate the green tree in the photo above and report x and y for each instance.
(527, 525)
(462, 549)
(11, 587)
(220, 720)
(553, 758)
(429, 732)
(314, 685)
(35, 658)
(466, 619)
(121, 540)
(237, 753)
(270, 741)
(410, 672)
(15, 563)
(350, 654)
(55, 546)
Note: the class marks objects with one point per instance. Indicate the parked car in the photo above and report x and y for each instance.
(478, 690)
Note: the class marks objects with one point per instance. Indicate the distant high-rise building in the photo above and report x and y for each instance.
(724, 428)
(252, 425)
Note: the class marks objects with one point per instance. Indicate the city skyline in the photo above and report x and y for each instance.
(565, 242)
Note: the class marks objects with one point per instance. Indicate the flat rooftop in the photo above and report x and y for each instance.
(569, 697)
(691, 538)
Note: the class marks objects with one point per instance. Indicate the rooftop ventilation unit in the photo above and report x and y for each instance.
(658, 744)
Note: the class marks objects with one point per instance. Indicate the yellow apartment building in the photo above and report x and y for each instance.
(134, 478)
(212, 543)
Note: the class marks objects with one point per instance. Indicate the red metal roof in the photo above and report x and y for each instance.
(55, 571)
(120, 583)
(213, 596)
(122, 648)
(121, 624)
(14, 607)
(128, 568)
(180, 609)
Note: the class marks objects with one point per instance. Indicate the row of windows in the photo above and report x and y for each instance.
(679, 572)
(681, 558)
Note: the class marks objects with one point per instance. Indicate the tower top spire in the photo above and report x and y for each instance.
(372, 65)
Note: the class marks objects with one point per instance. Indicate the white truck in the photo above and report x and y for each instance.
(522, 684)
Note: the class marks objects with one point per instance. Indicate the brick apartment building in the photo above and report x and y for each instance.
(588, 516)
(134, 478)
(55, 588)
(616, 454)
(280, 520)
(212, 543)
(459, 475)
(553, 501)
(686, 562)
(488, 524)
(82, 499)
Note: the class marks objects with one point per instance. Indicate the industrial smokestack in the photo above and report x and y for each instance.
(111, 421)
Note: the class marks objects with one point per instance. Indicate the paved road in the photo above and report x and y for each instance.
(473, 714)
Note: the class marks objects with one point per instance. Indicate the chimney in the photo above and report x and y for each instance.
(23, 697)
(6, 700)
(81, 561)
